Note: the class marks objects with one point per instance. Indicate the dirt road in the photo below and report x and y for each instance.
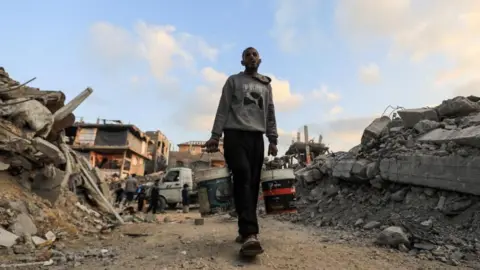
(179, 244)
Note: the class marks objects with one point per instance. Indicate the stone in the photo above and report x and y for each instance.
(23, 225)
(7, 239)
(425, 126)
(29, 114)
(50, 150)
(50, 236)
(469, 136)
(392, 236)
(411, 117)
(199, 221)
(38, 240)
(377, 182)
(429, 191)
(372, 225)
(167, 219)
(359, 222)
(403, 248)
(375, 129)
(399, 195)
(458, 106)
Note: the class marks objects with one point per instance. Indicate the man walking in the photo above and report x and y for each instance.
(130, 188)
(245, 112)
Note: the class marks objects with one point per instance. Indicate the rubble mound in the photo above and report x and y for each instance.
(417, 173)
(41, 176)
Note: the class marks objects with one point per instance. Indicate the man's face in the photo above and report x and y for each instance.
(251, 59)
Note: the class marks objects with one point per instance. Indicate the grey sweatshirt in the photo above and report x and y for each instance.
(246, 104)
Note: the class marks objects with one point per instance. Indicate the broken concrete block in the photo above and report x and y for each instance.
(199, 221)
(7, 239)
(468, 136)
(425, 126)
(452, 173)
(30, 114)
(49, 187)
(372, 170)
(343, 168)
(411, 117)
(375, 129)
(458, 106)
(49, 149)
(23, 225)
(359, 168)
(38, 240)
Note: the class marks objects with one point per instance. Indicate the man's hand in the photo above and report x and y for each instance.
(212, 145)
(272, 149)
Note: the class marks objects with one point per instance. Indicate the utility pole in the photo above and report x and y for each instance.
(155, 149)
(307, 146)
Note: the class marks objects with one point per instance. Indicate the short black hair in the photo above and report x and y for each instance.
(185, 186)
(247, 49)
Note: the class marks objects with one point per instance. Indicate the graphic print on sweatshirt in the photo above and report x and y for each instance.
(253, 94)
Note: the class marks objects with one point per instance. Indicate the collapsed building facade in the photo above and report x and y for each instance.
(413, 176)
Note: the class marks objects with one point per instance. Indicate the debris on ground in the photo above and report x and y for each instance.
(49, 192)
(413, 181)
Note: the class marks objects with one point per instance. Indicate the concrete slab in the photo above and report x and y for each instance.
(452, 173)
(411, 117)
(7, 239)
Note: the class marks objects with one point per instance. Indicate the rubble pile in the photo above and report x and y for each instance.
(39, 171)
(413, 179)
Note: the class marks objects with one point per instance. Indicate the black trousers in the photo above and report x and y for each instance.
(153, 206)
(244, 153)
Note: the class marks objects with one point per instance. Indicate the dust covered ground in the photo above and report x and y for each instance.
(179, 244)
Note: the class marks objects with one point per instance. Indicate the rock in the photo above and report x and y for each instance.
(21, 249)
(458, 106)
(399, 195)
(359, 168)
(392, 236)
(429, 191)
(29, 114)
(7, 239)
(24, 225)
(167, 219)
(359, 222)
(375, 130)
(331, 191)
(38, 240)
(411, 117)
(127, 218)
(199, 221)
(372, 170)
(427, 223)
(50, 236)
(403, 248)
(372, 225)
(343, 168)
(426, 126)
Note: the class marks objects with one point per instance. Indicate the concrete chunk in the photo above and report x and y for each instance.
(469, 136)
(458, 106)
(452, 173)
(426, 126)
(24, 225)
(411, 117)
(343, 169)
(49, 149)
(7, 239)
(375, 129)
(359, 168)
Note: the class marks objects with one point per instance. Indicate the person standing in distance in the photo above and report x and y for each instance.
(246, 112)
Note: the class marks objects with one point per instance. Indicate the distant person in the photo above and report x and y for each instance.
(185, 199)
(130, 188)
(154, 197)
(141, 199)
(119, 194)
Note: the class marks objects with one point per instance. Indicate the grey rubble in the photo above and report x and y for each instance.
(418, 171)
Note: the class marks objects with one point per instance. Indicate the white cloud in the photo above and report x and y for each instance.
(283, 97)
(369, 74)
(200, 107)
(325, 94)
(161, 46)
(336, 110)
(421, 29)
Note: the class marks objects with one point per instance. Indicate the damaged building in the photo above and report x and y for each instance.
(159, 149)
(192, 154)
(115, 148)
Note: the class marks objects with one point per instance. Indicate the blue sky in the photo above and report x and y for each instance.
(161, 64)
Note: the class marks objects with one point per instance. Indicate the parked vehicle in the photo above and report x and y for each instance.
(171, 187)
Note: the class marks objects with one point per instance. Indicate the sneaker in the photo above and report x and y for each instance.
(240, 239)
(251, 247)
